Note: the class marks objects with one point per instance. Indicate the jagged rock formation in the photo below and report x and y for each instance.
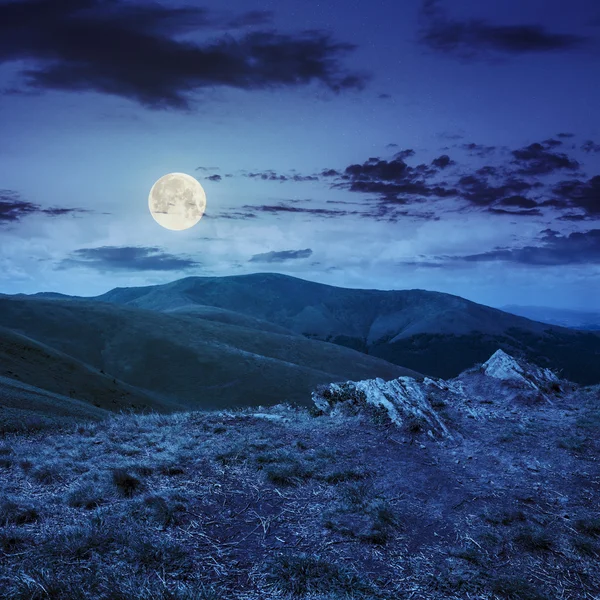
(506, 368)
(502, 381)
(405, 400)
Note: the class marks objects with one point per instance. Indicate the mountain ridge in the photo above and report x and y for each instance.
(431, 332)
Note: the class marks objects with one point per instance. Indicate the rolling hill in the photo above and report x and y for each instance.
(434, 333)
(27, 361)
(26, 408)
(117, 357)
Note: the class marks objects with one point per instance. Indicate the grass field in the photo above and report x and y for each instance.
(284, 503)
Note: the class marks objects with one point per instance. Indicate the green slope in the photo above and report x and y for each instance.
(184, 361)
(35, 363)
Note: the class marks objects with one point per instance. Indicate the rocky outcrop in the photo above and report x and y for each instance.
(501, 382)
(405, 401)
(507, 368)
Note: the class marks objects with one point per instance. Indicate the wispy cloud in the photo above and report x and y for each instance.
(589, 146)
(520, 183)
(283, 207)
(575, 248)
(478, 149)
(128, 258)
(273, 176)
(13, 208)
(475, 38)
(281, 256)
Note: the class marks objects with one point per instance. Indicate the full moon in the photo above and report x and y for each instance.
(177, 201)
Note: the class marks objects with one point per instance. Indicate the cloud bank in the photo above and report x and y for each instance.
(138, 52)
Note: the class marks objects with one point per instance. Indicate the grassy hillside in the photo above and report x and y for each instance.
(436, 334)
(282, 504)
(38, 364)
(221, 315)
(89, 349)
(27, 408)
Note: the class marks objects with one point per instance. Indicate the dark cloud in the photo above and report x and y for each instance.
(235, 215)
(404, 154)
(489, 171)
(214, 178)
(287, 208)
(473, 39)
(133, 51)
(590, 146)
(128, 258)
(330, 173)
(450, 136)
(535, 159)
(574, 218)
(513, 187)
(441, 162)
(478, 190)
(390, 213)
(13, 208)
(391, 145)
(579, 194)
(376, 169)
(281, 256)
(426, 264)
(576, 248)
(552, 143)
(267, 176)
(565, 135)
(522, 212)
(378, 211)
(478, 149)
(392, 181)
(518, 202)
(272, 176)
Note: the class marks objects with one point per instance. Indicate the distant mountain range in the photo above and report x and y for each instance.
(220, 342)
(433, 333)
(574, 319)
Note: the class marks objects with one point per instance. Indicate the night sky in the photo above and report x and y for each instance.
(444, 145)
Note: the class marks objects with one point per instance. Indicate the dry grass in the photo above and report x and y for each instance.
(211, 506)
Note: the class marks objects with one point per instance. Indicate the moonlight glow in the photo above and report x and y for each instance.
(177, 201)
